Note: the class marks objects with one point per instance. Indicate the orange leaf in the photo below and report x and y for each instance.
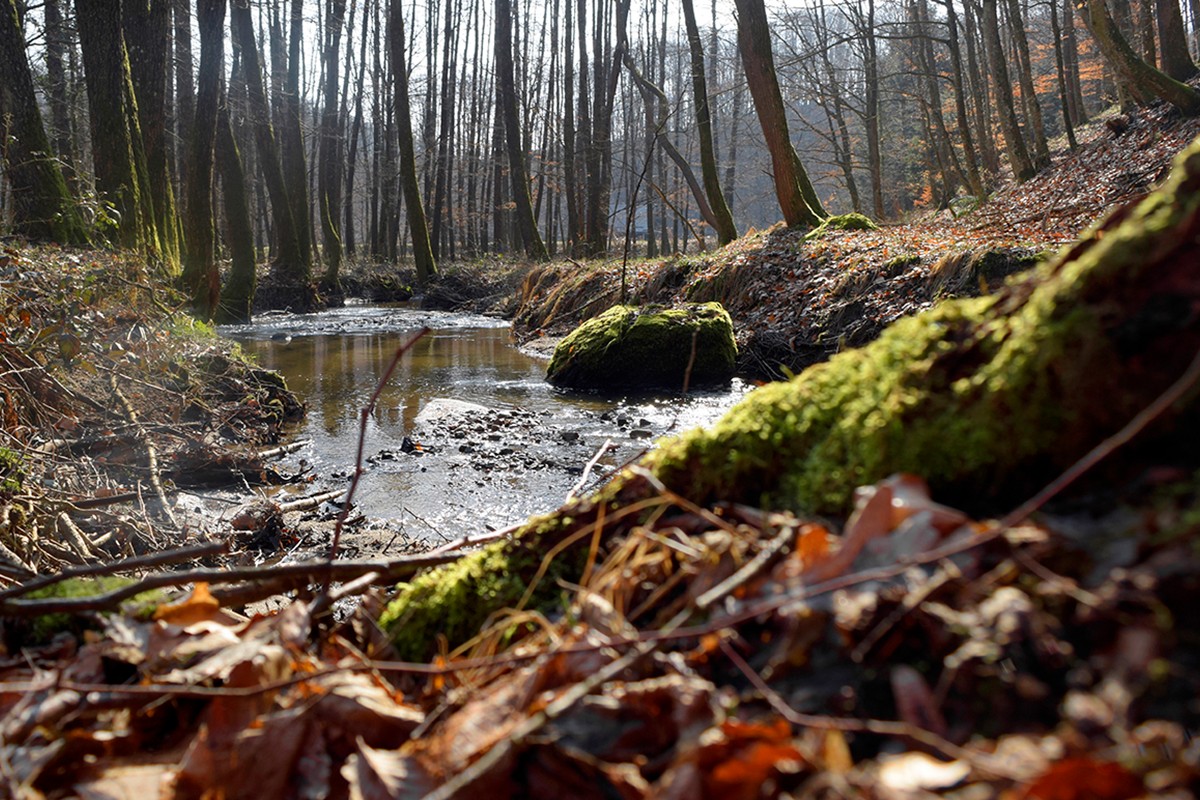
(199, 606)
(1085, 779)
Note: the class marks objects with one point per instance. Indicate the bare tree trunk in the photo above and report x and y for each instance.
(1063, 93)
(237, 296)
(117, 152)
(43, 207)
(57, 42)
(1145, 81)
(295, 171)
(288, 262)
(797, 199)
(1018, 155)
(147, 26)
(418, 228)
(974, 178)
(1176, 60)
(329, 187)
(725, 227)
(1041, 152)
(531, 240)
(185, 97)
(201, 278)
(348, 225)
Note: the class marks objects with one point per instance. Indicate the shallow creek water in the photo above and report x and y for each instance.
(496, 443)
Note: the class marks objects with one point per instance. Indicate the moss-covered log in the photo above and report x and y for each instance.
(980, 396)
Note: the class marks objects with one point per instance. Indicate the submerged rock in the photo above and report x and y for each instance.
(628, 347)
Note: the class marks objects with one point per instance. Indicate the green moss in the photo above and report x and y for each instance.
(628, 347)
(842, 222)
(455, 601)
(12, 471)
(38, 630)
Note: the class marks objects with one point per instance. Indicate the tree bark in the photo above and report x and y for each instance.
(1176, 59)
(797, 199)
(418, 228)
(237, 296)
(118, 156)
(725, 227)
(1014, 142)
(295, 170)
(288, 264)
(1144, 81)
(329, 187)
(146, 27)
(201, 278)
(43, 207)
(531, 240)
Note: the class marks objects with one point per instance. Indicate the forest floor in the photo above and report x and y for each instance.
(1053, 659)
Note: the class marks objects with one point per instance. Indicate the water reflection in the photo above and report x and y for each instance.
(333, 360)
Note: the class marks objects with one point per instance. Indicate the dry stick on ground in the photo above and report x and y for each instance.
(126, 565)
(284, 449)
(151, 454)
(364, 415)
(310, 502)
(587, 471)
(303, 572)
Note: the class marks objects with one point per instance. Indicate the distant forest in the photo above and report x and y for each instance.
(308, 132)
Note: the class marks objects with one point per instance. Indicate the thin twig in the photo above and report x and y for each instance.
(125, 565)
(364, 415)
(587, 470)
(311, 571)
(151, 454)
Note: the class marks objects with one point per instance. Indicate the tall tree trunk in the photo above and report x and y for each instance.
(1014, 143)
(295, 170)
(1071, 64)
(237, 296)
(970, 159)
(57, 43)
(288, 265)
(185, 96)
(418, 228)
(43, 207)
(201, 277)
(1041, 152)
(871, 118)
(118, 156)
(797, 198)
(531, 240)
(1176, 60)
(1144, 81)
(147, 26)
(330, 185)
(1061, 71)
(348, 226)
(725, 228)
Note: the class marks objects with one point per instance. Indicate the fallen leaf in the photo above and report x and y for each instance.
(199, 606)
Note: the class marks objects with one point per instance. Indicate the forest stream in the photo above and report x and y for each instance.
(489, 442)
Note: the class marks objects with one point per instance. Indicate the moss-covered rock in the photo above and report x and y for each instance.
(628, 347)
(842, 222)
